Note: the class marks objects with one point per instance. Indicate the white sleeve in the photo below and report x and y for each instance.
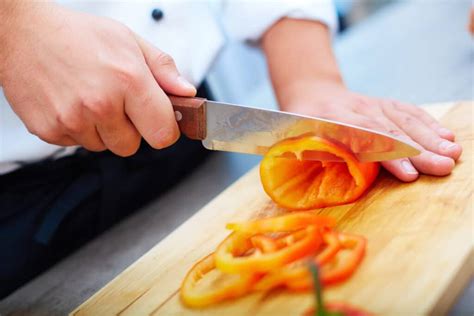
(248, 20)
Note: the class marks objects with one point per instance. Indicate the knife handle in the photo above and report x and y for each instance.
(191, 116)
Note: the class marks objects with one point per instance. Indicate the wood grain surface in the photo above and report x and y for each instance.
(419, 256)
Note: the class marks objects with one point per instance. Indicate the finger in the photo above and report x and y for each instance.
(433, 164)
(66, 141)
(403, 169)
(150, 111)
(59, 140)
(422, 134)
(426, 118)
(89, 139)
(118, 134)
(80, 132)
(164, 70)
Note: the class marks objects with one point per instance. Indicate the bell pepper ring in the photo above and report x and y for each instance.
(194, 296)
(339, 267)
(298, 270)
(298, 184)
(232, 255)
(267, 244)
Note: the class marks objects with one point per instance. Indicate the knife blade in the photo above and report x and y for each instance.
(244, 129)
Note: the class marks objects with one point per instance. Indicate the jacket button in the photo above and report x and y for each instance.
(157, 14)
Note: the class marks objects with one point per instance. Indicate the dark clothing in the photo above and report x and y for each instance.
(49, 208)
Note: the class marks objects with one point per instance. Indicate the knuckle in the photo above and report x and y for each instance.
(50, 136)
(97, 105)
(33, 130)
(129, 148)
(129, 75)
(147, 99)
(69, 123)
(399, 106)
(164, 60)
(94, 146)
(406, 120)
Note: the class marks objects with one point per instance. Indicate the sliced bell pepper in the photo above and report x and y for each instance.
(234, 255)
(268, 244)
(264, 243)
(195, 294)
(298, 184)
(340, 267)
(298, 270)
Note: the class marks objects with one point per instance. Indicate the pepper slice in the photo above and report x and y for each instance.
(232, 255)
(268, 244)
(298, 184)
(225, 286)
(340, 267)
(299, 270)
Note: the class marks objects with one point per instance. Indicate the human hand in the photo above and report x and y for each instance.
(77, 79)
(333, 101)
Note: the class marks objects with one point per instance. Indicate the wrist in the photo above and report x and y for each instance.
(304, 91)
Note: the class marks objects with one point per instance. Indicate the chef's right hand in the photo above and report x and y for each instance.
(77, 79)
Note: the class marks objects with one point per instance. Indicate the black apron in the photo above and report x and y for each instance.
(50, 208)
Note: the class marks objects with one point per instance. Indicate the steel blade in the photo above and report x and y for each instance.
(250, 130)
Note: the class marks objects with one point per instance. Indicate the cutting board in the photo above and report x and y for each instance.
(419, 255)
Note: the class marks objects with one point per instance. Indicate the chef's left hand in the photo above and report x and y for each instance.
(333, 101)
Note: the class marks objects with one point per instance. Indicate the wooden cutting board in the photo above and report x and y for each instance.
(419, 256)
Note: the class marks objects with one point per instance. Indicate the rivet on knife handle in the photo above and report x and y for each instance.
(193, 116)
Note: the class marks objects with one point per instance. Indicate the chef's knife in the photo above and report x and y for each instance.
(243, 129)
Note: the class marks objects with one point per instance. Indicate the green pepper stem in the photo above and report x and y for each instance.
(319, 310)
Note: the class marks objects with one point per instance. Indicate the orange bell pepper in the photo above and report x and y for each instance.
(268, 244)
(232, 286)
(234, 254)
(298, 184)
(340, 267)
(298, 270)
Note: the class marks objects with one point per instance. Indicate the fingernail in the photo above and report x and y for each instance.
(438, 158)
(444, 131)
(185, 83)
(447, 145)
(408, 167)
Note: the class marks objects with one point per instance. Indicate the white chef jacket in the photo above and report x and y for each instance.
(191, 31)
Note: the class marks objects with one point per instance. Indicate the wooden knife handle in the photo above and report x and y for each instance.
(191, 116)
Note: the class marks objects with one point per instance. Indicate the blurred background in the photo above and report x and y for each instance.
(383, 47)
(352, 11)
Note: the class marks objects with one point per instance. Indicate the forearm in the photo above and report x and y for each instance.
(15, 17)
(299, 52)
(10, 12)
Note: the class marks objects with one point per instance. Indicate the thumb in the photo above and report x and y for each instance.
(164, 70)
